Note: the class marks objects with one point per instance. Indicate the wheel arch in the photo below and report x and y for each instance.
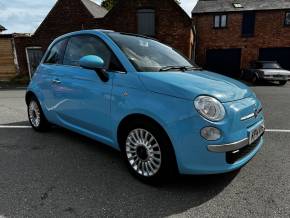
(142, 117)
(28, 95)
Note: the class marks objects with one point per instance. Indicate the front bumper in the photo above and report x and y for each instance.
(230, 146)
(197, 156)
(234, 146)
(276, 77)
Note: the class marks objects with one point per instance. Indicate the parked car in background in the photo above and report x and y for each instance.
(143, 98)
(266, 70)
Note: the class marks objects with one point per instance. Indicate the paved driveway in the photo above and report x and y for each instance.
(62, 174)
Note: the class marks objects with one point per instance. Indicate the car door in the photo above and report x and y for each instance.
(50, 74)
(85, 102)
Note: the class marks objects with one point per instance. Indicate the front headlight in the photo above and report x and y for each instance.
(210, 108)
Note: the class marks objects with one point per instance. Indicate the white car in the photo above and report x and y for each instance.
(266, 70)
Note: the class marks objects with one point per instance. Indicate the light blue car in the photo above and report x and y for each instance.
(143, 98)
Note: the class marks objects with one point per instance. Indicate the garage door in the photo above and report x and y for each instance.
(282, 55)
(224, 61)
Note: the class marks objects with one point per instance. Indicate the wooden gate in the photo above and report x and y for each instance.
(7, 65)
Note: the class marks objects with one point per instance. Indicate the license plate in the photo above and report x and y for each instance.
(256, 133)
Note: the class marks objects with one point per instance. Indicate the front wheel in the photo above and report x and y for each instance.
(148, 153)
(36, 116)
(254, 79)
(282, 83)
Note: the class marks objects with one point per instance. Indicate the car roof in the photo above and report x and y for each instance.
(102, 31)
(93, 31)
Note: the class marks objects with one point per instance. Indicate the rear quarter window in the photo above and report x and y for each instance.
(55, 54)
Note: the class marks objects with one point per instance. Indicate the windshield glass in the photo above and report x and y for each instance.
(149, 55)
(271, 66)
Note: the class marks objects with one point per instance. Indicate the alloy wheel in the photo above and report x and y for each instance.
(143, 152)
(34, 113)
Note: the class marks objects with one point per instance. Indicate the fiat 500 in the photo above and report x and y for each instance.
(145, 99)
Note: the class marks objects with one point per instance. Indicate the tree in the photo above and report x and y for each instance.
(108, 4)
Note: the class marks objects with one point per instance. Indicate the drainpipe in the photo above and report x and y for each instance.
(194, 29)
(195, 43)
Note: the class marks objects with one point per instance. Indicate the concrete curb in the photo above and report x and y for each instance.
(3, 88)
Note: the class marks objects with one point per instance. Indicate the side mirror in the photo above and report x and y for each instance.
(96, 63)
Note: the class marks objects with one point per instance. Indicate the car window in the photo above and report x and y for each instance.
(147, 54)
(55, 54)
(81, 46)
(271, 65)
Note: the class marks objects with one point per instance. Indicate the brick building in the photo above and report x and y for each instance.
(164, 20)
(232, 33)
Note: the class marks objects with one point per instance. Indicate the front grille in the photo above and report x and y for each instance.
(234, 156)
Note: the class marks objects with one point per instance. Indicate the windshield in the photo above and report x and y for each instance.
(149, 55)
(271, 66)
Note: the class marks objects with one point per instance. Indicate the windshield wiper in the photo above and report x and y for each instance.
(167, 68)
(181, 68)
(193, 68)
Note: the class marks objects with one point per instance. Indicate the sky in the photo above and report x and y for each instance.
(24, 16)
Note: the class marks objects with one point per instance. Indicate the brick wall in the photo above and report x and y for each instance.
(269, 32)
(21, 42)
(173, 26)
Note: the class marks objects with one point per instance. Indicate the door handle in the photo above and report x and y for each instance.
(56, 81)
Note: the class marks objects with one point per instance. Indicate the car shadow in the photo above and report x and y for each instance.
(128, 195)
(77, 176)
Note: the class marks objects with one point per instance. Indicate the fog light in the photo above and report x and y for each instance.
(211, 133)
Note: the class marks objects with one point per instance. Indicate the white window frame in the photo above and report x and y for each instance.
(27, 58)
(218, 21)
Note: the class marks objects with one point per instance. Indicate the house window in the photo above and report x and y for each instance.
(248, 26)
(287, 18)
(146, 22)
(220, 21)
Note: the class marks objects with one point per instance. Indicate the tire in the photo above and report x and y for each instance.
(242, 75)
(148, 152)
(254, 79)
(282, 83)
(35, 115)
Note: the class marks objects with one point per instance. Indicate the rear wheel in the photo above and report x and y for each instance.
(36, 116)
(148, 152)
(282, 83)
